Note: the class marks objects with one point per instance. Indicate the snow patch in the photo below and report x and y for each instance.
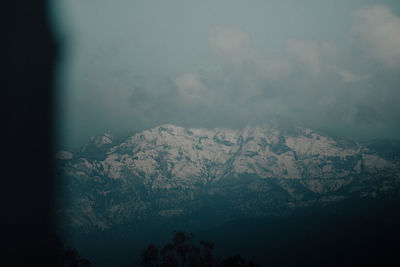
(64, 155)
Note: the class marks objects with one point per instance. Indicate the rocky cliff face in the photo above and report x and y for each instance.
(173, 171)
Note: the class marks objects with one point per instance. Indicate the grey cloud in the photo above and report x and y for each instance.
(309, 86)
(346, 86)
(233, 43)
(376, 31)
(306, 52)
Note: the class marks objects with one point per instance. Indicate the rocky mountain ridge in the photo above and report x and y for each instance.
(173, 171)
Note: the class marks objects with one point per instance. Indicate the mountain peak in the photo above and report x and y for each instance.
(170, 159)
(169, 155)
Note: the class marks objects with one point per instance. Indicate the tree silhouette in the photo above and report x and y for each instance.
(71, 258)
(149, 256)
(182, 252)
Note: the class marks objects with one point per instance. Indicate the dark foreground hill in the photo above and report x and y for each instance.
(282, 199)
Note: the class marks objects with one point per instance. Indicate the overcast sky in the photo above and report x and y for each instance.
(129, 65)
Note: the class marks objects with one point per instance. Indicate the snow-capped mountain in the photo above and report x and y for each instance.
(174, 171)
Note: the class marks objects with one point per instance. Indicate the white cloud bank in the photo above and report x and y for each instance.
(317, 83)
(376, 31)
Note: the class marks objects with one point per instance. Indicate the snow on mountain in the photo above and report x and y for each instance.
(173, 158)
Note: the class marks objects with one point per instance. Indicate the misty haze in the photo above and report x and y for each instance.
(270, 128)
